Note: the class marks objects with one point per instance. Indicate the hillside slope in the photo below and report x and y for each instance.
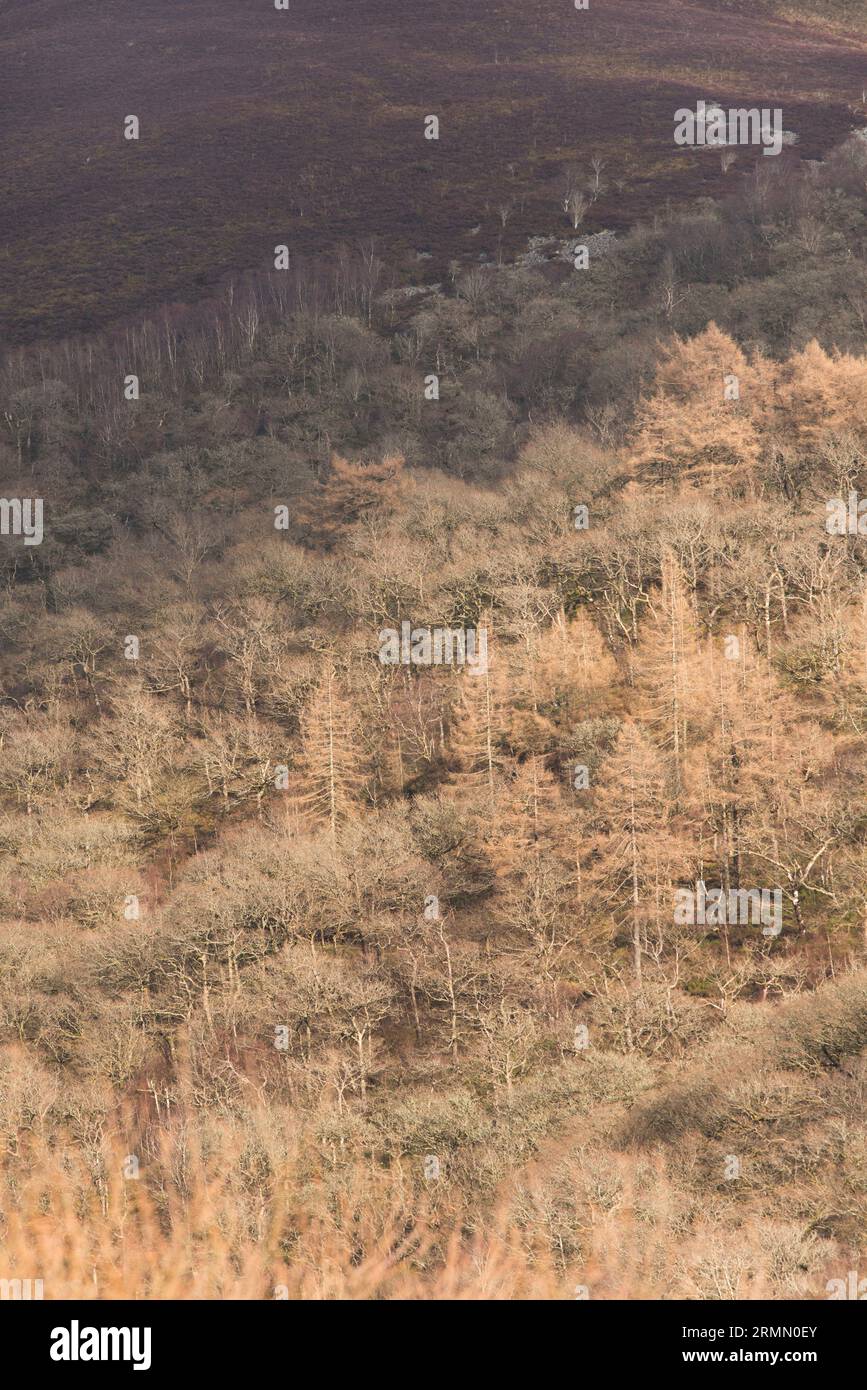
(261, 127)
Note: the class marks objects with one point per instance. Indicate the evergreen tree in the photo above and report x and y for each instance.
(477, 726)
(330, 770)
(352, 491)
(700, 424)
(668, 666)
(634, 857)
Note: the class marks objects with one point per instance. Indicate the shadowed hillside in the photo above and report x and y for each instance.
(305, 127)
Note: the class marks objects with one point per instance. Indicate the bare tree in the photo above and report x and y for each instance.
(597, 164)
(573, 180)
(577, 209)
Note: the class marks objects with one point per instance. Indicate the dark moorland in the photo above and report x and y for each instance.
(261, 126)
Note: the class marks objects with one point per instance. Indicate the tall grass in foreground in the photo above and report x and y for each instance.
(179, 1233)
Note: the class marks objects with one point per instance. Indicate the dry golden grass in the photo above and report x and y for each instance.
(180, 1234)
(132, 1241)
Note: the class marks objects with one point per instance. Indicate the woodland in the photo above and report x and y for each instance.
(327, 978)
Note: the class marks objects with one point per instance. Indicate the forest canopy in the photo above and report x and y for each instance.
(406, 929)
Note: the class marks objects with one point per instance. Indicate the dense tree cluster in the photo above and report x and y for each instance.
(247, 869)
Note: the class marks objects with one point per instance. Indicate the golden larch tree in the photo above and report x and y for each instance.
(700, 422)
(330, 769)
